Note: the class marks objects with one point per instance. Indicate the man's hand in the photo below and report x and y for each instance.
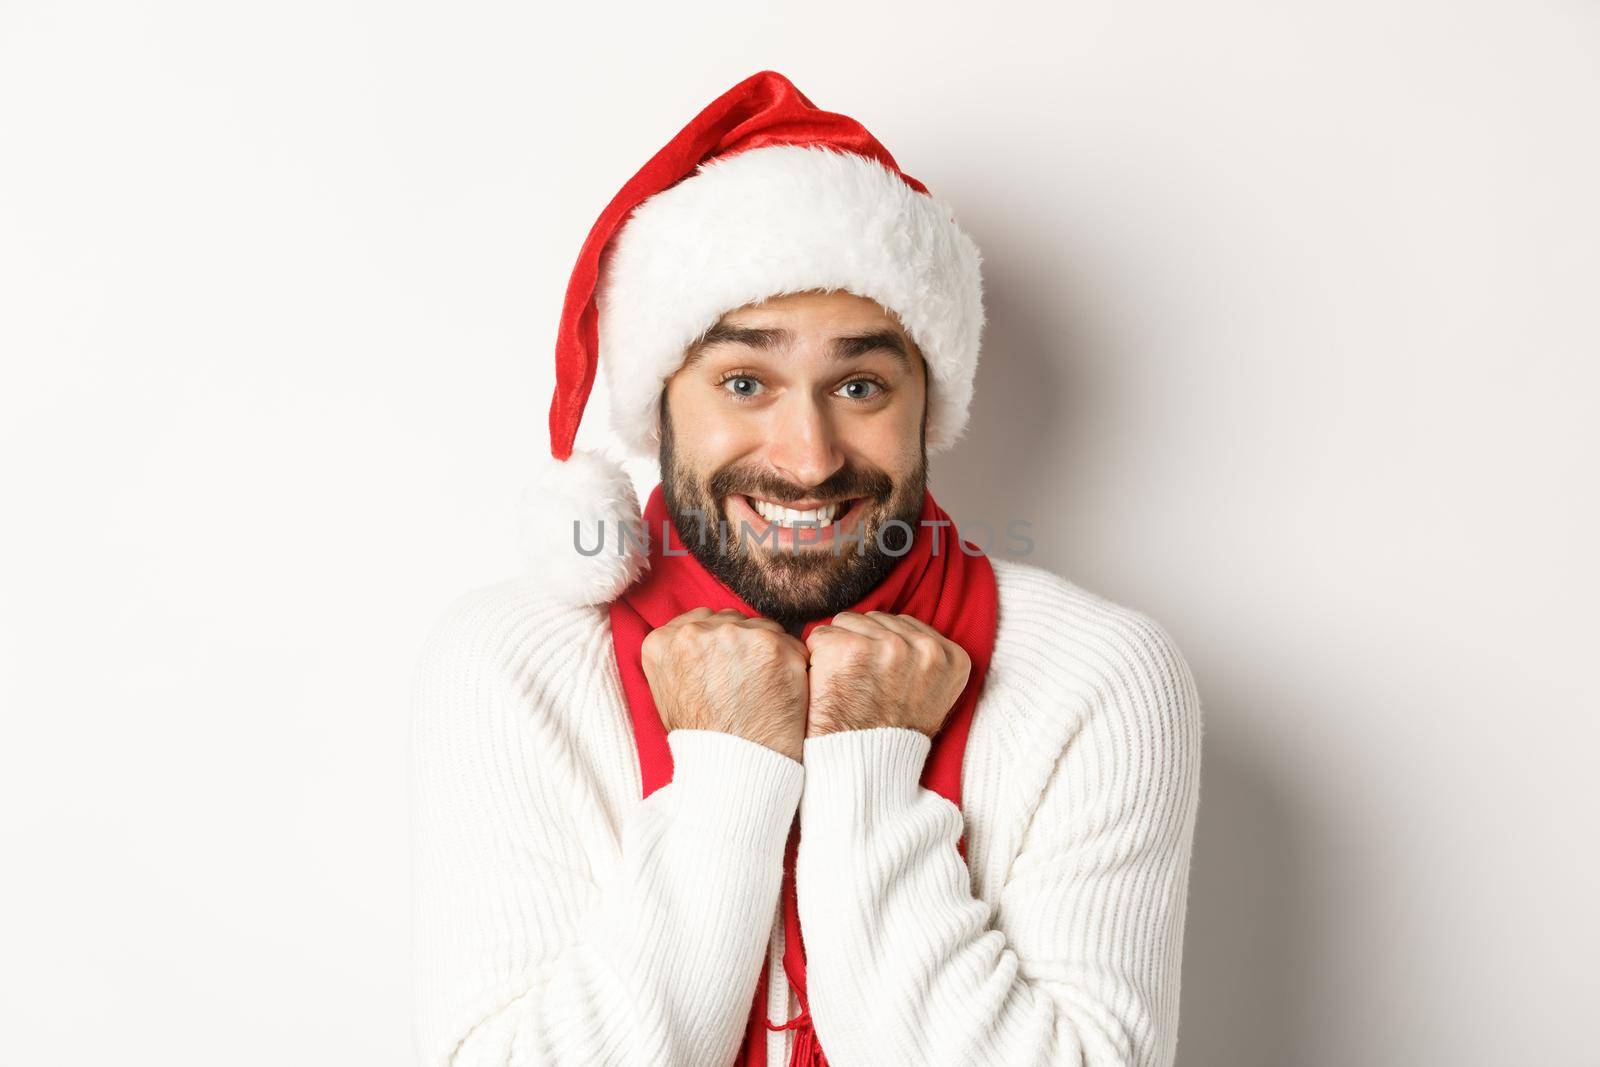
(879, 669)
(722, 671)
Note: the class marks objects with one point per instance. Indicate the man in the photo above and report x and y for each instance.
(784, 770)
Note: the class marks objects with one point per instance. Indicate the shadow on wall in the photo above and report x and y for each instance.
(1036, 416)
(1027, 426)
(1242, 985)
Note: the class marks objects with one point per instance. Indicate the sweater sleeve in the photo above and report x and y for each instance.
(1077, 964)
(541, 935)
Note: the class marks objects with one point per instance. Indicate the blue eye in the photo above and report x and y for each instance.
(742, 386)
(872, 389)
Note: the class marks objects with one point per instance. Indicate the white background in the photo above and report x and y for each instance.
(1293, 344)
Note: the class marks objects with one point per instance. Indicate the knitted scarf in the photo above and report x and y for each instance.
(949, 587)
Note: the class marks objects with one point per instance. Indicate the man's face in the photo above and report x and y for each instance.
(812, 402)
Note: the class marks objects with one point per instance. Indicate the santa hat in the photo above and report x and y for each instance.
(761, 194)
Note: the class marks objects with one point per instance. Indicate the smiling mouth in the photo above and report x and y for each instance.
(805, 514)
(818, 520)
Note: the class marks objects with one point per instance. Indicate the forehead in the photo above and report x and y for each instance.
(839, 323)
(816, 309)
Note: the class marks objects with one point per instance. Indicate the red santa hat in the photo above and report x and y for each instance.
(761, 194)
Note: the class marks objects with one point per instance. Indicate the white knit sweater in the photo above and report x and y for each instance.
(560, 919)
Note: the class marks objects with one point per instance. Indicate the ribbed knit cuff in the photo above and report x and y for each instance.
(735, 789)
(853, 775)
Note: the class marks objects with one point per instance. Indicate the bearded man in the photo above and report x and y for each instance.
(784, 770)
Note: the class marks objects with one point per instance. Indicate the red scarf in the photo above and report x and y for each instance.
(952, 590)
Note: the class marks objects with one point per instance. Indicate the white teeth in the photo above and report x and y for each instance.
(782, 516)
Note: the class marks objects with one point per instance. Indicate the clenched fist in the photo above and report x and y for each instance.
(723, 671)
(879, 669)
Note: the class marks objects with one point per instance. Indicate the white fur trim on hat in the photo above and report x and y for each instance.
(776, 220)
(582, 533)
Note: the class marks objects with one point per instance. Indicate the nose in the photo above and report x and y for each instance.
(804, 446)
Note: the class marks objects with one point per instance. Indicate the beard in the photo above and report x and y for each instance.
(793, 586)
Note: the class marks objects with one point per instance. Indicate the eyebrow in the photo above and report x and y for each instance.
(773, 338)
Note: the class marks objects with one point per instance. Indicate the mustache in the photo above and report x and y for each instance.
(846, 482)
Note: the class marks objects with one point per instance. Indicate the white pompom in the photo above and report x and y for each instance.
(574, 565)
